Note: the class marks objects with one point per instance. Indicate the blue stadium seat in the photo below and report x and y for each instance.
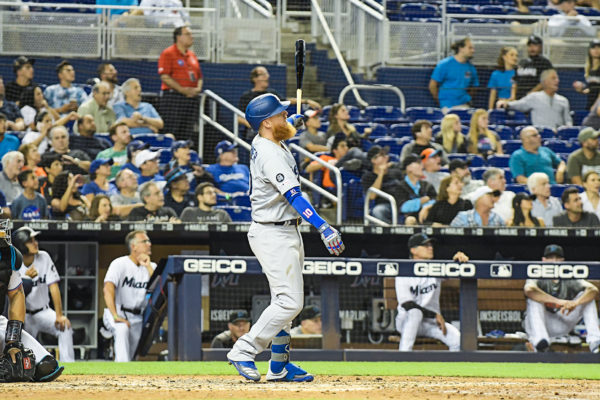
(557, 190)
(384, 114)
(588, 11)
(400, 130)
(500, 161)
(324, 126)
(463, 114)
(508, 175)
(505, 132)
(559, 146)
(461, 9)
(477, 173)
(419, 10)
(165, 155)
(457, 156)
(325, 112)
(395, 144)
(355, 114)
(476, 160)
(361, 126)
(496, 10)
(510, 146)
(154, 139)
(104, 135)
(507, 117)
(237, 213)
(353, 196)
(241, 200)
(545, 132)
(194, 157)
(432, 114)
(378, 130)
(483, 21)
(517, 188)
(568, 132)
(579, 116)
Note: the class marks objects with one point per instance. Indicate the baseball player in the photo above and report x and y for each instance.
(419, 301)
(40, 270)
(275, 240)
(555, 306)
(125, 294)
(21, 350)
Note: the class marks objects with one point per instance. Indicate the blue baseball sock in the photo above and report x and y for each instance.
(280, 351)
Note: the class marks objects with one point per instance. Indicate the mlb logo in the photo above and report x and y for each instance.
(501, 270)
(387, 269)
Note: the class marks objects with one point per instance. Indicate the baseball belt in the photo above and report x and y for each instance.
(33, 312)
(135, 311)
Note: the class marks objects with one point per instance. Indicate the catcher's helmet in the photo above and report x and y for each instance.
(263, 107)
(21, 236)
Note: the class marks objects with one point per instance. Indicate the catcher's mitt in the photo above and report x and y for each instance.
(23, 369)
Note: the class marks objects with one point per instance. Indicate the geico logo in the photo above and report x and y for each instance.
(219, 266)
(444, 269)
(557, 271)
(332, 268)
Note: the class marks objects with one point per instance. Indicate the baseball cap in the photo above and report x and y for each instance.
(479, 192)
(224, 146)
(145, 155)
(534, 39)
(310, 312)
(458, 163)
(310, 113)
(377, 150)
(587, 133)
(594, 43)
(99, 162)
(181, 143)
(411, 158)
(429, 153)
(20, 62)
(238, 315)
(174, 175)
(554, 250)
(136, 145)
(419, 239)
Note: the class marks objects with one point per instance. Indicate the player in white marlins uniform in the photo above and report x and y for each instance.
(419, 301)
(275, 239)
(125, 294)
(38, 268)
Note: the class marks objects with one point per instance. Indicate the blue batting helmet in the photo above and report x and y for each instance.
(263, 107)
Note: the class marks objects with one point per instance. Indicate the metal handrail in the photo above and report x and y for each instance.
(95, 6)
(259, 9)
(267, 6)
(368, 10)
(391, 88)
(375, 5)
(369, 218)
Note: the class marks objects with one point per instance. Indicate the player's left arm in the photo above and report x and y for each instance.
(16, 308)
(589, 294)
(62, 321)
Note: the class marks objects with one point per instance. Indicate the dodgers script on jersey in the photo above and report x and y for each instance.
(130, 282)
(423, 291)
(46, 276)
(273, 171)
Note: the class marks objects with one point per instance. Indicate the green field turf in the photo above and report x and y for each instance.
(466, 369)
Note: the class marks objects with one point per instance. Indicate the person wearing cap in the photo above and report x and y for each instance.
(555, 306)
(527, 76)
(310, 322)
(545, 206)
(147, 162)
(533, 157)
(422, 139)
(177, 193)
(23, 69)
(154, 209)
(312, 139)
(432, 164)
(448, 203)
(591, 86)
(522, 205)
(99, 183)
(419, 312)
(339, 148)
(86, 141)
(182, 159)
(133, 148)
(574, 216)
(120, 136)
(230, 177)
(140, 116)
(52, 165)
(586, 158)
(97, 106)
(569, 22)
(481, 215)
(414, 193)
(495, 179)
(237, 326)
(108, 73)
(63, 96)
(75, 161)
(8, 142)
(383, 175)
(460, 169)
(206, 196)
(127, 198)
(29, 205)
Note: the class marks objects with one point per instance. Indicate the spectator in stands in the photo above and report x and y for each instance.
(127, 198)
(39, 137)
(574, 216)
(181, 78)
(11, 111)
(29, 205)
(460, 169)
(422, 132)
(120, 136)
(450, 135)
(230, 177)
(33, 103)
(53, 166)
(133, 148)
(593, 118)
(432, 164)
(12, 164)
(585, 159)
(590, 198)
(547, 107)
(182, 159)
(238, 326)
(107, 73)
(167, 13)
(76, 161)
(530, 69)
(310, 322)
(568, 17)
(533, 157)
(101, 209)
(177, 195)
(153, 209)
(419, 301)
(86, 141)
(147, 162)
(338, 123)
(339, 148)
(591, 86)
(544, 206)
(454, 77)
(312, 139)
(482, 140)
(494, 179)
(99, 184)
(501, 83)
(448, 203)
(63, 96)
(32, 159)
(67, 202)
(8, 142)
(555, 306)
(414, 193)
(483, 200)
(97, 106)
(140, 117)
(383, 175)
(23, 69)
(206, 195)
(522, 205)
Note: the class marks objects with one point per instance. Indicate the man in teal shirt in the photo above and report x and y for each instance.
(533, 157)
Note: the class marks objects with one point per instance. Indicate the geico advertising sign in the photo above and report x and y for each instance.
(207, 266)
(550, 271)
(332, 268)
(450, 270)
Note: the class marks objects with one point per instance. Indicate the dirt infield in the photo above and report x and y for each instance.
(82, 387)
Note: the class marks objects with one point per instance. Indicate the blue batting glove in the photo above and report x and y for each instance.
(296, 120)
(332, 239)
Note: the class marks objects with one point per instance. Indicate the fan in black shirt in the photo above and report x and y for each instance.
(527, 76)
(448, 202)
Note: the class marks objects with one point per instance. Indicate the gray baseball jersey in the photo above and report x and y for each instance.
(273, 172)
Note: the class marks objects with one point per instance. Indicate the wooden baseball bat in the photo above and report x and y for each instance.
(300, 52)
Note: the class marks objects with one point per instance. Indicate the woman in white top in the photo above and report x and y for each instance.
(591, 196)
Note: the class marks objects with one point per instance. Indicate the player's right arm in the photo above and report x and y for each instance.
(533, 292)
(109, 299)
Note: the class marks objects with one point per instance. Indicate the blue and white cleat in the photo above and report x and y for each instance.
(290, 373)
(247, 369)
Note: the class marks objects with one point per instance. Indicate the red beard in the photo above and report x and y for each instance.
(284, 131)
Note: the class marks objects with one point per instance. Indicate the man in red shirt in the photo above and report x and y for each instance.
(181, 78)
